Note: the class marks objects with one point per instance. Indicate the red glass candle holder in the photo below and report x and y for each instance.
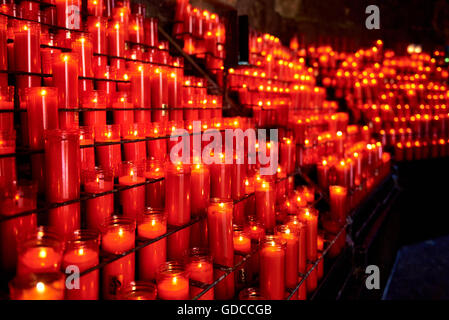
(242, 247)
(94, 100)
(65, 78)
(95, 7)
(87, 150)
(100, 208)
(27, 46)
(200, 267)
(159, 94)
(310, 217)
(108, 155)
(152, 224)
(139, 290)
(116, 39)
(155, 191)
(221, 179)
(141, 93)
(62, 170)
(134, 151)
(44, 286)
(200, 182)
(300, 229)
(39, 252)
(151, 32)
(118, 236)
(272, 267)
(338, 196)
(123, 116)
(173, 281)
(157, 145)
(265, 196)
(13, 201)
(97, 27)
(220, 230)
(132, 199)
(291, 254)
(177, 205)
(82, 251)
(3, 46)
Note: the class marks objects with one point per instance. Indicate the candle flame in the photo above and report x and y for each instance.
(40, 287)
(80, 251)
(43, 92)
(175, 280)
(43, 253)
(121, 232)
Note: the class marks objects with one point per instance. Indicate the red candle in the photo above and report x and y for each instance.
(15, 200)
(265, 196)
(300, 229)
(219, 225)
(87, 153)
(291, 254)
(155, 191)
(3, 48)
(141, 93)
(320, 247)
(159, 94)
(39, 252)
(116, 39)
(256, 232)
(173, 282)
(132, 200)
(338, 196)
(323, 174)
(95, 7)
(157, 146)
(272, 268)
(174, 91)
(151, 33)
(200, 182)
(138, 290)
(136, 29)
(152, 224)
(220, 179)
(65, 78)
(343, 173)
(46, 286)
(242, 247)
(310, 217)
(62, 168)
(177, 205)
(94, 100)
(27, 47)
(109, 155)
(288, 155)
(97, 28)
(98, 209)
(82, 250)
(200, 269)
(42, 112)
(118, 236)
(68, 13)
(134, 151)
(123, 116)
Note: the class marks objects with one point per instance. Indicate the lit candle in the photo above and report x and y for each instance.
(152, 224)
(134, 151)
(310, 217)
(242, 247)
(95, 7)
(320, 247)
(132, 200)
(108, 156)
(123, 116)
(46, 286)
(97, 28)
(173, 282)
(300, 229)
(155, 191)
(94, 100)
(287, 155)
(219, 225)
(291, 254)
(65, 78)
(272, 268)
(98, 209)
(6, 103)
(177, 205)
(141, 93)
(220, 179)
(138, 290)
(323, 174)
(82, 250)
(116, 39)
(159, 94)
(39, 252)
(118, 236)
(7, 164)
(265, 196)
(87, 153)
(62, 169)
(200, 269)
(338, 198)
(156, 146)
